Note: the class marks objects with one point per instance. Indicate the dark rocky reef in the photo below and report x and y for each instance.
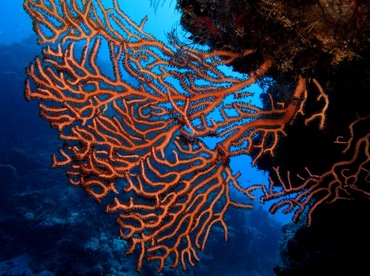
(323, 40)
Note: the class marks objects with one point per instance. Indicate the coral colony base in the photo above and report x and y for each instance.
(133, 133)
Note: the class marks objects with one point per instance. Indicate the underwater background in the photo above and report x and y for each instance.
(49, 227)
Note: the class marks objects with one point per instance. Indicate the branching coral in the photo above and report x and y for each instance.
(134, 131)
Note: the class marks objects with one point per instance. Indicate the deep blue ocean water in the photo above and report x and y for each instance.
(48, 227)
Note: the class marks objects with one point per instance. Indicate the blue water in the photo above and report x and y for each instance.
(49, 227)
